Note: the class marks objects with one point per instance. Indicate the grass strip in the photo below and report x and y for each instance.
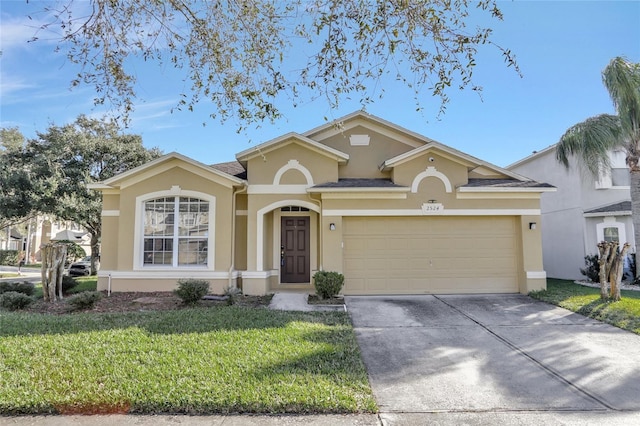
(586, 301)
(193, 361)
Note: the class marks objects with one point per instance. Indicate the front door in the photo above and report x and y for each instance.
(294, 250)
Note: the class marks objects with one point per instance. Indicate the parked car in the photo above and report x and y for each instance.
(81, 267)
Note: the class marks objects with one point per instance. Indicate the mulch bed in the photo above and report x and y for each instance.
(316, 300)
(143, 301)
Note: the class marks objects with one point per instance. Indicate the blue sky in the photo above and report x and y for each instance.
(561, 48)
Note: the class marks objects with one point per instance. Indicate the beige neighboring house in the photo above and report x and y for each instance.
(582, 212)
(394, 211)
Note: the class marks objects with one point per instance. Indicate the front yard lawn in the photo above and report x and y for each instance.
(586, 301)
(222, 359)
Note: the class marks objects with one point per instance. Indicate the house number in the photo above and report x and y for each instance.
(428, 208)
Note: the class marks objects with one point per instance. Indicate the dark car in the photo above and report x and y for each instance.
(81, 268)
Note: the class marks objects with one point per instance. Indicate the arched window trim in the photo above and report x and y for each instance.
(175, 191)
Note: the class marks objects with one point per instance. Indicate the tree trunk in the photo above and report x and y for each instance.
(95, 252)
(53, 258)
(604, 250)
(615, 275)
(635, 213)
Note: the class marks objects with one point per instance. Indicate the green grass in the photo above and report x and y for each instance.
(89, 283)
(586, 301)
(8, 275)
(194, 361)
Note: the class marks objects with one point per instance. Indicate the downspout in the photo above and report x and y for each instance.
(320, 238)
(233, 234)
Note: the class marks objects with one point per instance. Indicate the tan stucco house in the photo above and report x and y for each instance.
(394, 211)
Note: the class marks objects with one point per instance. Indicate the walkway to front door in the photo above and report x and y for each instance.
(295, 250)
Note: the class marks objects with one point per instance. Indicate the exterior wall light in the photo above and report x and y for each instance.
(332, 227)
(532, 225)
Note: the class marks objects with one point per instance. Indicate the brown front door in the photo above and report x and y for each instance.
(294, 250)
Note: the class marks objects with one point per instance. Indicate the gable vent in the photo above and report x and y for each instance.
(359, 140)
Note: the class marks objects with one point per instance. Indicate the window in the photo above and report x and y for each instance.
(611, 234)
(294, 209)
(176, 242)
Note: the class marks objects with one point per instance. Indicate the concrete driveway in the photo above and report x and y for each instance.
(494, 359)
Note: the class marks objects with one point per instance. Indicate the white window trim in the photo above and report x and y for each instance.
(610, 222)
(138, 233)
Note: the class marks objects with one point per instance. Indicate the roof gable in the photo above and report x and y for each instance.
(472, 163)
(361, 118)
(159, 165)
(292, 137)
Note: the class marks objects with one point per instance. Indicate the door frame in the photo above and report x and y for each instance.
(313, 241)
(305, 253)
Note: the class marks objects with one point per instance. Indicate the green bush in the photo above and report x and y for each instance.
(13, 300)
(68, 283)
(328, 284)
(24, 287)
(9, 257)
(592, 268)
(84, 300)
(191, 291)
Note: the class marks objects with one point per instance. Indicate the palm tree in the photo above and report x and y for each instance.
(592, 140)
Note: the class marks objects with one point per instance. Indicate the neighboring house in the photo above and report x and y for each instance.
(581, 213)
(392, 210)
(10, 239)
(45, 229)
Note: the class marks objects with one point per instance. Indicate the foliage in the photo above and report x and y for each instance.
(592, 268)
(246, 57)
(63, 160)
(586, 301)
(9, 257)
(191, 290)
(225, 359)
(24, 287)
(13, 300)
(84, 300)
(16, 195)
(74, 251)
(328, 284)
(68, 283)
(232, 294)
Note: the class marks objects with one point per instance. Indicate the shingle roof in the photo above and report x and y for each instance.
(624, 206)
(505, 183)
(232, 168)
(359, 183)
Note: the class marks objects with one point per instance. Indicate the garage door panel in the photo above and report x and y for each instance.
(430, 255)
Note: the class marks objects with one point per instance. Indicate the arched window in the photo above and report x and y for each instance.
(176, 231)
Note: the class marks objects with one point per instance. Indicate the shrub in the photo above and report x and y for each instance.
(232, 294)
(328, 284)
(84, 300)
(13, 300)
(191, 291)
(68, 283)
(9, 257)
(591, 269)
(24, 287)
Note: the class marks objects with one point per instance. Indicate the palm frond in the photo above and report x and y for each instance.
(622, 80)
(590, 142)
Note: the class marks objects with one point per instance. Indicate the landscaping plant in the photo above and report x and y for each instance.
(84, 300)
(328, 284)
(191, 290)
(611, 265)
(13, 300)
(24, 287)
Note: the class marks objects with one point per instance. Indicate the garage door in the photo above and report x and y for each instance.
(439, 255)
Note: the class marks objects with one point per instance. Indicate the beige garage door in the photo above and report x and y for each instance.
(439, 255)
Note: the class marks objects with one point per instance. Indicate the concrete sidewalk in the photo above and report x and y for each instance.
(283, 301)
